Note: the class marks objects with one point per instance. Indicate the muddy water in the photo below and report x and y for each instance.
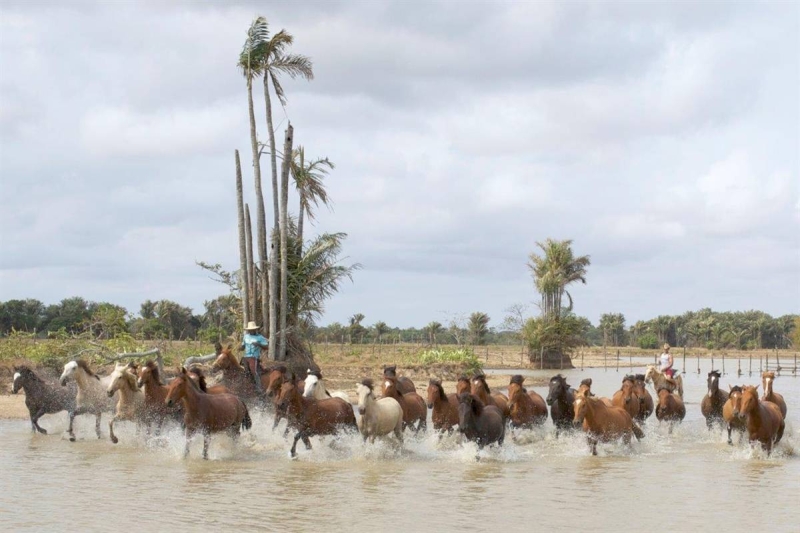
(688, 481)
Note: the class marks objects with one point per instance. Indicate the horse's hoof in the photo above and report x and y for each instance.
(72, 438)
(43, 431)
(115, 440)
(292, 456)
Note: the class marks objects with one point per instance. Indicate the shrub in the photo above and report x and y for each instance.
(463, 356)
(648, 341)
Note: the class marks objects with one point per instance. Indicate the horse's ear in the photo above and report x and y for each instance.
(730, 387)
(183, 370)
(230, 346)
(757, 386)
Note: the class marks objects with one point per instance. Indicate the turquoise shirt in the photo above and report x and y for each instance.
(253, 343)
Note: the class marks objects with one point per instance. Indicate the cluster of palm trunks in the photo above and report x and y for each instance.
(477, 413)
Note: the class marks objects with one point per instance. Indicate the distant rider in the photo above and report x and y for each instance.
(666, 362)
(253, 342)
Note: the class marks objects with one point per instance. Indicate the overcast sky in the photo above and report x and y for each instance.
(662, 138)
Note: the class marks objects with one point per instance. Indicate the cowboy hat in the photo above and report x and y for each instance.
(666, 346)
(251, 325)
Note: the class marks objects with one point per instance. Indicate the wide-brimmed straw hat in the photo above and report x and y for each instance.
(251, 325)
(666, 346)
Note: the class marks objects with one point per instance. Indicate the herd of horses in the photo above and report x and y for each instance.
(138, 394)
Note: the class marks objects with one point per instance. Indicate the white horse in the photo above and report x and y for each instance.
(315, 388)
(659, 379)
(130, 405)
(378, 417)
(92, 396)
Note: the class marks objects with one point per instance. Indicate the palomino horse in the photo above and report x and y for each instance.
(714, 401)
(660, 379)
(206, 413)
(463, 385)
(315, 388)
(445, 407)
(670, 407)
(602, 423)
(41, 398)
(482, 424)
(771, 396)
(378, 417)
(313, 417)
(646, 404)
(236, 377)
(561, 399)
(626, 398)
(763, 420)
(526, 408)
(481, 389)
(732, 420)
(130, 405)
(155, 397)
(404, 384)
(91, 398)
(414, 409)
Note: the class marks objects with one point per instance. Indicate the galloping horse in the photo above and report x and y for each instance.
(561, 399)
(626, 398)
(660, 379)
(601, 422)
(732, 420)
(155, 397)
(91, 398)
(482, 424)
(404, 384)
(206, 413)
(130, 405)
(481, 389)
(413, 405)
(378, 417)
(200, 378)
(714, 401)
(313, 417)
(763, 420)
(769, 395)
(315, 388)
(670, 407)
(445, 407)
(526, 408)
(586, 385)
(41, 398)
(646, 404)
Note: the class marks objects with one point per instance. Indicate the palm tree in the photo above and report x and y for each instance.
(554, 271)
(308, 182)
(478, 327)
(355, 327)
(433, 329)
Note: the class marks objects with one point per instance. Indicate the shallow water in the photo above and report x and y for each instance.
(688, 481)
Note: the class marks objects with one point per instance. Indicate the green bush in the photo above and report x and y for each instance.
(451, 355)
(648, 341)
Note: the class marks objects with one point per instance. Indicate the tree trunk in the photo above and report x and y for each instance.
(273, 266)
(244, 264)
(287, 163)
(301, 212)
(251, 267)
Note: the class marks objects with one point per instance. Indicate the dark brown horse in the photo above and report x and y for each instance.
(626, 398)
(463, 385)
(763, 419)
(733, 421)
(670, 407)
(714, 401)
(155, 398)
(206, 413)
(404, 384)
(561, 399)
(481, 389)
(413, 405)
(601, 422)
(313, 417)
(42, 398)
(767, 378)
(445, 407)
(482, 424)
(646, 404)
(526, 408)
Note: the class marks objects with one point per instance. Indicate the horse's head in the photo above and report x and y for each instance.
(69, 371)
(276, 376)
(664, 400)
(312, 382)
(22, 375)
(435, 392)
(288, 394)
(148, 373)
(558, 388)
(177, 388)
(735, 397)
(650, 373)
(389, 387)
(627, 389)
(226, 360)
(515, 390)
(747, 402)
(364, 391)
(462, 385)
(638, 388)
(580, 406)
(469, 406)
(390, 371)
(479, 385)
(713, 382)
(197, 375)
(586, 385)
(118, 379)
(766, 380)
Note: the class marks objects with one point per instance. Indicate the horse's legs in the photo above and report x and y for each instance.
(206, 442)
(111, 435)
(730, 442)
(307, 442)
(293, 451)
(35, 421)
(188, 434)
(71, 421)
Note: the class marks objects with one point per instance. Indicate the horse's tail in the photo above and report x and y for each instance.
(247, 422)
(637, 431)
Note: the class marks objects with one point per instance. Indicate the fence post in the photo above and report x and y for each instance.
(712, 362)
(541, 357)
(698, 363)
(760, 364)
(794, 372)
(582, 352)
(617, 360)
(739, 366)
(750, 371)
(630, 361)
(684, 358)
(723, 363)
(562, 361)
(605, 361)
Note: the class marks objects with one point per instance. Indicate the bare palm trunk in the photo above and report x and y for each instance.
(287, 163)
(273, 270)
(251, 272)
(301, 212)
(244, 276)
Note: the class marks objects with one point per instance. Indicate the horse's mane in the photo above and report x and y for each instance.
(587, 382)
(83, 365)
(316, 373)
(715, 373)
(277, 368)
(664, 387)
(626, 378)
(475, 403)
(736, 388)
(390, 371)
(769, 374)
(153, 368)
(463, 377)
(23, 369)
(639, 377)
(130, 380)
(439, 389)
(201, 378)
(482, 377)
(517, 379)
(367, 382)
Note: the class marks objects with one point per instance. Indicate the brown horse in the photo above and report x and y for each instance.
(413, 405)
(155, 397)
(733, 421)
(463, 385)
(526, 408)
(586, 385)
(206, 413)
(626, 398)
(313, 417)
(445, 407)
(769, 395)
(646, 404)
(714, 401)
(200, 378)
(481, 389)
(670, 407)
(236, 377)
(482, 424)
(602, 423)
(763, 419)
(404, 384)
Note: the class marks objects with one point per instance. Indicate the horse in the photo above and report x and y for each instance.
(378, 417)
(660, 379)
(404, 384)
(463, 385)
(130, 405)
(313, 417)
(626, 398)
(315, 388)
(199, 377)
(526, 408)
(91, 397)
(481, 389)
(602, 423)
(714, 401)
(41, 398)
(561, 399)
(646, 404)
(763, 419)
(670, 407)
(206, 413)
(155, 397)
(236, 377)
(586, 385)
(482, 424)
(276, 376)
(444, 406)
(414, 408)
(769, 395)
(733, 421)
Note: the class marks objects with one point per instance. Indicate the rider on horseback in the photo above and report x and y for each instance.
(252, 343)
(666, 362)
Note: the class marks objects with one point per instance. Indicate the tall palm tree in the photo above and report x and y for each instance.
(554, 271)
(308, 178)
(433, 328)
(478, 327)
